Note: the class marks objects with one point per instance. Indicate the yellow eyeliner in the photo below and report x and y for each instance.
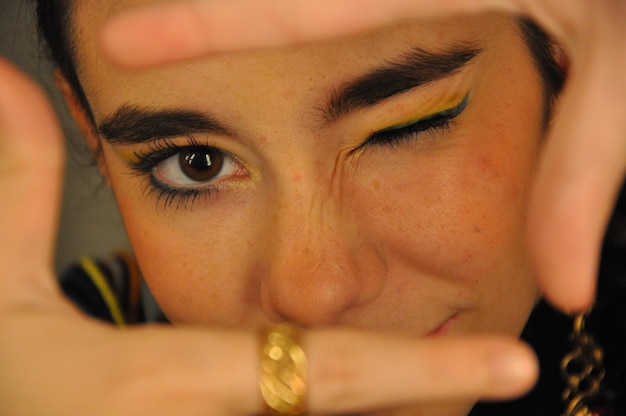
(436, 106)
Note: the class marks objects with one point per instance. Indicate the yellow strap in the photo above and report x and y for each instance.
(134, 291)
(102, 284)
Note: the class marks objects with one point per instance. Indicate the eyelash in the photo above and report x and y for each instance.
(394, 137)
(158, 152)
(161, 150)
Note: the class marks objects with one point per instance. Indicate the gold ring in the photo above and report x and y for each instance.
(284, 371)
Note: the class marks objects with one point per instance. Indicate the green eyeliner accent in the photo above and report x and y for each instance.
(450, 113)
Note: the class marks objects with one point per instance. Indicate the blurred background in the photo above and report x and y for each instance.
(90, 224)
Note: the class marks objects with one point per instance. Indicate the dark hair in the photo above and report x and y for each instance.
(54, 21)
(543, 50)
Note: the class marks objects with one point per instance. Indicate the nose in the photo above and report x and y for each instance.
(317, 268)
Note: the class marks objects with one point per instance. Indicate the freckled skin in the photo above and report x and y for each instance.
(389, 239)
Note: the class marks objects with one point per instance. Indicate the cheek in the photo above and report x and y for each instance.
(180, 273)
(454, 219)
(195, 267)
(196, 275)
(450, 209)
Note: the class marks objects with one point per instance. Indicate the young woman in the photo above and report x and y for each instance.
(377, 183)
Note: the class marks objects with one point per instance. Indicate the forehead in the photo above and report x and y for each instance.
(310, 69)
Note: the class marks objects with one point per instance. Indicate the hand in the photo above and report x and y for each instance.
(584, 161)
(56, 361)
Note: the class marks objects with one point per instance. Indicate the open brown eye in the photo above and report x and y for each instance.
(201, 164)
(192, 167)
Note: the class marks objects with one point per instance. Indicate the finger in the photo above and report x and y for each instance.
(195, 372)
(30, 170)
(194, 28)
(580, 174)
(353, 372)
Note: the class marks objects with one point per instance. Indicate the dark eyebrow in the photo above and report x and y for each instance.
(133, 124)
(411, 70)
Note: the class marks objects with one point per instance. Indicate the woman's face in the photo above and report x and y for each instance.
(376, 182)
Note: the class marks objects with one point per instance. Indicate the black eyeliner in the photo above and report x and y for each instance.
(166, 194)
(395, 135)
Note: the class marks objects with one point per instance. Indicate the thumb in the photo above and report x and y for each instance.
(31, 159)
(580, 175)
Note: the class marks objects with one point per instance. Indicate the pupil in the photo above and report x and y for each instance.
(201, 164)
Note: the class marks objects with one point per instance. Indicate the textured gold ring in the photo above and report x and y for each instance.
(284, 371)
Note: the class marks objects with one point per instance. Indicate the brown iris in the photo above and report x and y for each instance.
(201, 164)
